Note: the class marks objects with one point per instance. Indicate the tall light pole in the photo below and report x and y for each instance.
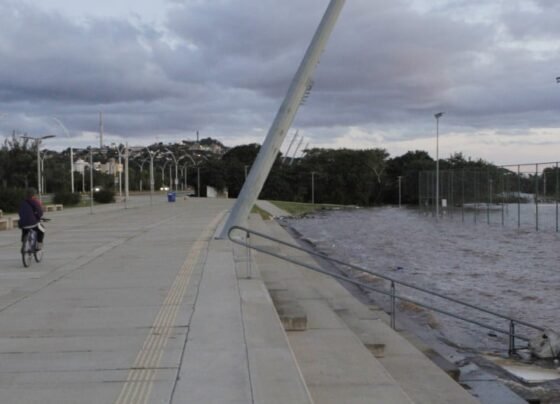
(400, 181)
(198, 181)
(182, 171)
(59, 123)
(126, 183)
(186, 171)
(121, 153)
(141, 166)
(437, 116)
(38, 145)
(176, 169)
(43, 156)
(152, 154)
(313, 187)
(90, 180)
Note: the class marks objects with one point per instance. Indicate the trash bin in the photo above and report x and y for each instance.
(171, 196)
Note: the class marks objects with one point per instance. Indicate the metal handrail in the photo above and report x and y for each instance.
(392, 293)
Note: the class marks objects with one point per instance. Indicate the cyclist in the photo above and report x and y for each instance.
(30, 213)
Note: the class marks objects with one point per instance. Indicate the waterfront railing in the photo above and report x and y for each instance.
(247, 237)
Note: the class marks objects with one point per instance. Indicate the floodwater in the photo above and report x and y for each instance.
(512, 271)
(523, 216)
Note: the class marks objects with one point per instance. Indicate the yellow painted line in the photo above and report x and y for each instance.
(140, 379)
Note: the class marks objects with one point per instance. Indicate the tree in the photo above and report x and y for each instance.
(234, 162)
(408, 166)
(19, 163)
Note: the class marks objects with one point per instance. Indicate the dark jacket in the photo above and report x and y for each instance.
(30, 212)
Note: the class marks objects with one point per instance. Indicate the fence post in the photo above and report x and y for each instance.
(393, 306)
(518, 196)
(556, 192)
(451, 202)
(476, 192)
(537, 197)
(489, 196)
(463, 196)
(503, 195)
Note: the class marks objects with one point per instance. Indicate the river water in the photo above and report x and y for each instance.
(512, 271)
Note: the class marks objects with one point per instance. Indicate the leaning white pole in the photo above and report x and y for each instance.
(283, 120)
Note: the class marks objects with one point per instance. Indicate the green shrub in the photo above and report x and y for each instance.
(104, 196)
(67, 198)
(10, 199)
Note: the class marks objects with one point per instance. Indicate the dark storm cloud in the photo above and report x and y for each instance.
(48, 57)
(224, 66)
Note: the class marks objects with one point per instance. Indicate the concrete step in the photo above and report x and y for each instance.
(291, 313)
(344, 335)
(274, 373)
(335, 364)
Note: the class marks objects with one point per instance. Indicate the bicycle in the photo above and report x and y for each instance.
(29, 245)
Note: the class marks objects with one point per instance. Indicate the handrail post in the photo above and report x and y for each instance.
(511, 349)
(248, 239)
(393, 305)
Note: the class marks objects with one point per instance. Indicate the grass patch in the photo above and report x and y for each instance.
(264, 214)
(300, 208)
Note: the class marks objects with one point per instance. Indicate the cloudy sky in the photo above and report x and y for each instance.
(163, 69)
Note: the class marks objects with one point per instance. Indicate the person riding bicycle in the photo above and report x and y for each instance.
(30, 213)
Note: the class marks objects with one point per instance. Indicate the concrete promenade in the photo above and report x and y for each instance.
(144, 305)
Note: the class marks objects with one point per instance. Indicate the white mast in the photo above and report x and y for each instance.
(283, 120)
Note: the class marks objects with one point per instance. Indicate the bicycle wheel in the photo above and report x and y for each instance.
(38, 254)
(26, 250)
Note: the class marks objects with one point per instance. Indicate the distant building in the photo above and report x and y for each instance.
(110, 167)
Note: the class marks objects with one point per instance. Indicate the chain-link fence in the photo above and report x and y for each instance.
(522, 195)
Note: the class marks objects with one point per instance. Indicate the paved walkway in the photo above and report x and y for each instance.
(144, 305)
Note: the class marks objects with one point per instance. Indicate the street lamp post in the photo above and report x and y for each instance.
(313, 187)
(186, 168)
(176, 169)
(121, 152)
(177, 181)
(400, 181)
(437, 116)
(198, 181)
(43, 156)
(163, 171)
(71, 152)
(170, 177)
(141, 166)
(91, 180)
(126, 184)
(186, 171)
(152, 154)
(38, 144)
